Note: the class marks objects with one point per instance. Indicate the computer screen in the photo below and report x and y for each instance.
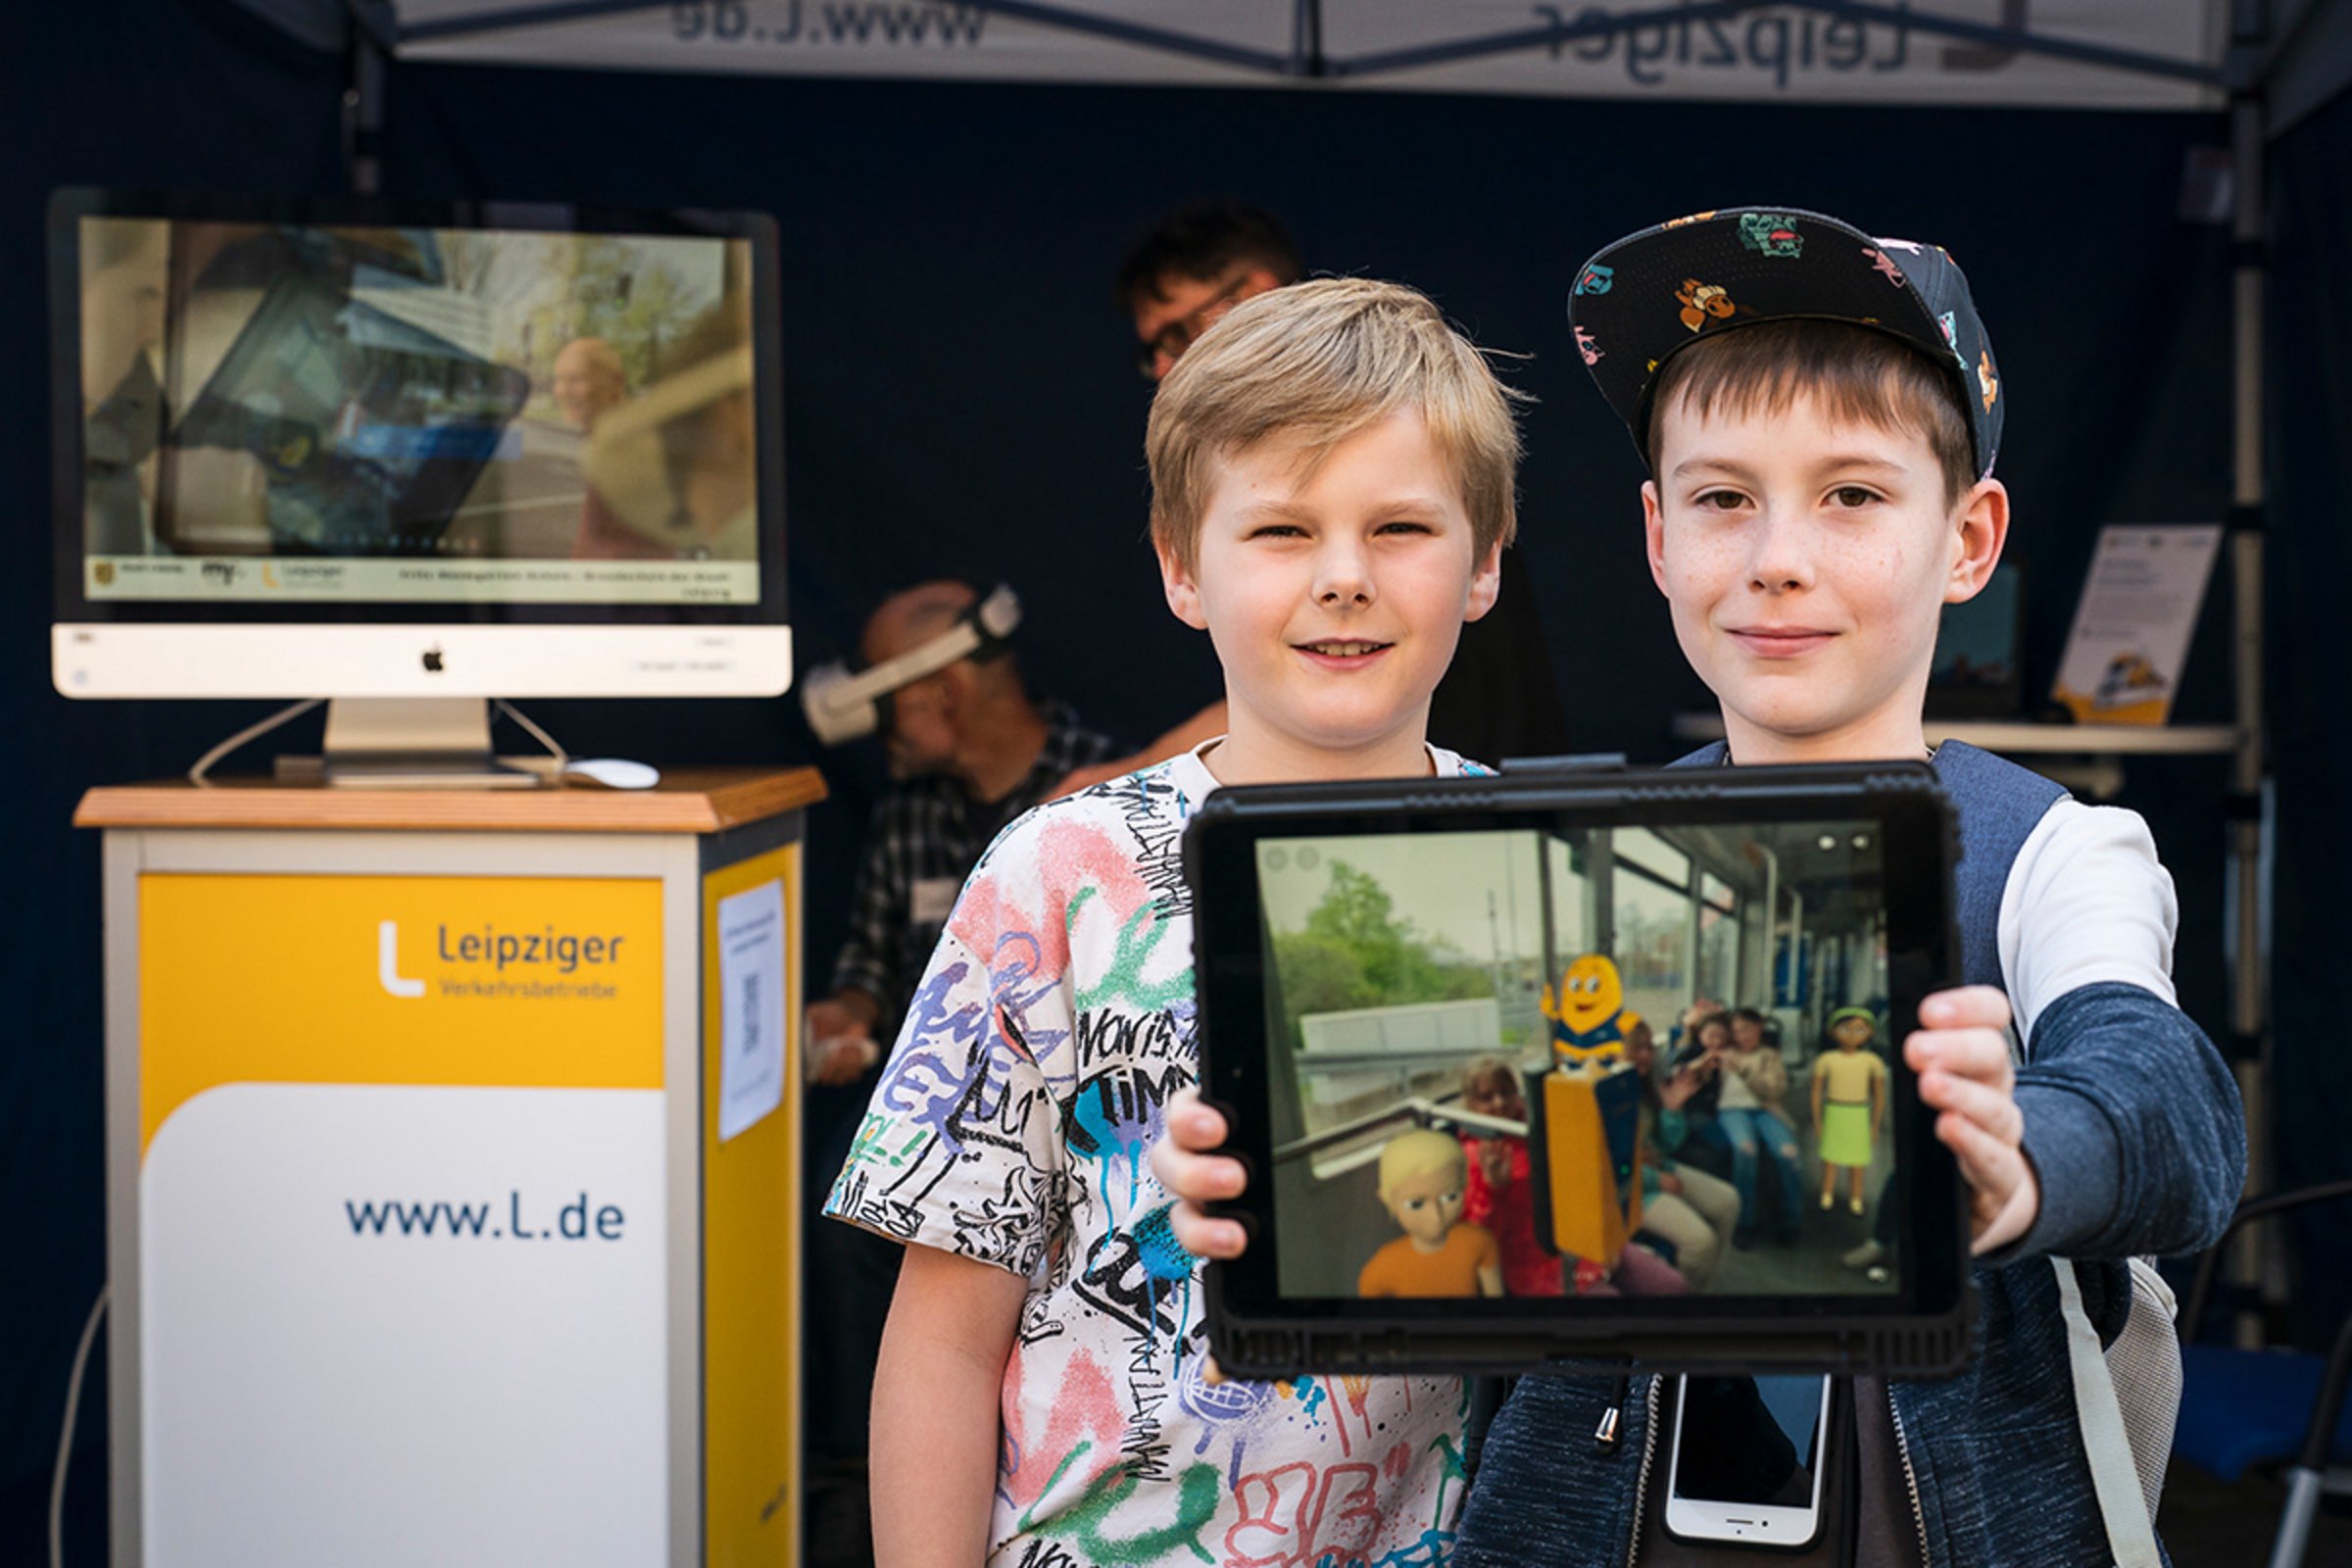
(274, 414)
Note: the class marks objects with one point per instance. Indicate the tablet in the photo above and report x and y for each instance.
(1445, 1020)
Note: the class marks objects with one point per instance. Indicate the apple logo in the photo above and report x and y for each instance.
(433, 659)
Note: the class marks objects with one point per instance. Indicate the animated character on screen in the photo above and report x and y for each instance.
(1849, 1103)
(1592, 1107)
(1422, 1176)
(1584, 1023)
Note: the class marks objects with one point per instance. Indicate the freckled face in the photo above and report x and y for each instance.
(1808, 560)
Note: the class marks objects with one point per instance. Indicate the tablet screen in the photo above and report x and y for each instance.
(1582, 1064)
(1448, 984)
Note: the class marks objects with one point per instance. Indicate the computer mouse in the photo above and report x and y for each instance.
(613, 772)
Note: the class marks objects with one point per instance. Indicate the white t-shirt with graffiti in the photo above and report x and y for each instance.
(1013, 1125)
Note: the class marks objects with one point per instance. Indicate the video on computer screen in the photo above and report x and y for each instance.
(309, 412)
(1612, 1062)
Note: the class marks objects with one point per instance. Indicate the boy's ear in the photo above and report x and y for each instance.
(1176, 582)
(1977, 540)
(1485, 584)
(1653, 531)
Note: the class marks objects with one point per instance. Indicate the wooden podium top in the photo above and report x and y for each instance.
(694, 800)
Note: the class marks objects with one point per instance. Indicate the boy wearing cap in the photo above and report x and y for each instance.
(1821, 444)
(1819, 411)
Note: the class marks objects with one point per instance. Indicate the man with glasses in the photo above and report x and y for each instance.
(1192, 267)
(1195, 263)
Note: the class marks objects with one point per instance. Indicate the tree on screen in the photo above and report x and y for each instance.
(1358, 951)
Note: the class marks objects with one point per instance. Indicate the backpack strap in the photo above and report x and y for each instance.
(2099, 1410)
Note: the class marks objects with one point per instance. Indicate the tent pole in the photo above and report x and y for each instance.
(2248, 999)
(1307, 39)
(364, 105)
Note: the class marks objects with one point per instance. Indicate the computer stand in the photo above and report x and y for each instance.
(408, 743)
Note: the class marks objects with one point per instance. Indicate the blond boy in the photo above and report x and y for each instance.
(1331, 473)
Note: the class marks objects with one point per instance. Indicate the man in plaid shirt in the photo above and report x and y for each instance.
(970, 750)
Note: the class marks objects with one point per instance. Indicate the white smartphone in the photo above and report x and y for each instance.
(1747, 1460)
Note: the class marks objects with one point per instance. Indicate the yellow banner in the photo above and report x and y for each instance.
(549, 982)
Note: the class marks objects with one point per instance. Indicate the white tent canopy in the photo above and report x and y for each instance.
(2150, 54)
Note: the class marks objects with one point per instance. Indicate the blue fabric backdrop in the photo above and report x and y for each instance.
(959, 400)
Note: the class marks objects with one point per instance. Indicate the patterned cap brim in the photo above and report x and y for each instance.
(1646, 298)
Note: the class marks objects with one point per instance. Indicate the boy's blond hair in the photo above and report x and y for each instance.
(1418, 1151)
(1316, 362)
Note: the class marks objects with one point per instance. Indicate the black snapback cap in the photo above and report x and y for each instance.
(1639, 301)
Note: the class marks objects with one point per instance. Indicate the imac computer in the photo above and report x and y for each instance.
(408, 457)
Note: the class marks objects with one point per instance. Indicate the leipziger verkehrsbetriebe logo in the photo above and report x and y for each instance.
(491, 961)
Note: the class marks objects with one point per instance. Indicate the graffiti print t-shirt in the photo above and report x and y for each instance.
(1013, 1125)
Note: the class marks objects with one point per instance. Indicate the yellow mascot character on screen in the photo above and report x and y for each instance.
(1591, 1110)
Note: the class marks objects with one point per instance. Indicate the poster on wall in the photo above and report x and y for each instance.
(402, 1220)
(2133, 622)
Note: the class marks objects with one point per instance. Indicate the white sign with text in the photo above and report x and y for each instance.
(2132, 626)
(391, 1324)
(751, 1007)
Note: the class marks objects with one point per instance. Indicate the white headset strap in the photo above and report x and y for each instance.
(1000, 612)
(925, 659)
(2099, 1412)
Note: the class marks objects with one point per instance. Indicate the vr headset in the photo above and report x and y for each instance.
(1360, 946)
(843, 698)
